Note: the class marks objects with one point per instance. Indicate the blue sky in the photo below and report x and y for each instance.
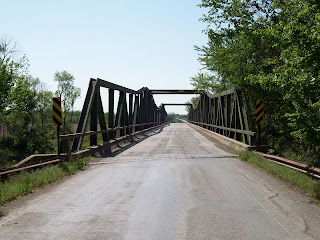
(131, 43)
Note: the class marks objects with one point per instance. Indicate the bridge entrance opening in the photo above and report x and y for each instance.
(136, 111)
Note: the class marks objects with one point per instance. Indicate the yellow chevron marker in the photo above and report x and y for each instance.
(57, 113)
(259, 112)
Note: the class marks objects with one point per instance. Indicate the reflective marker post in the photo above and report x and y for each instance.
(57, 118)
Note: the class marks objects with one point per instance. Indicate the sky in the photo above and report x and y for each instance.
(141, 43)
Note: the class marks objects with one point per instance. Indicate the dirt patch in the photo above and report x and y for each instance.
(2, 215)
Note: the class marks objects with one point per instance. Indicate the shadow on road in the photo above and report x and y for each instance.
(131, 143)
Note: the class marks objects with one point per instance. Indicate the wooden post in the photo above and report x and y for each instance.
(58, 139)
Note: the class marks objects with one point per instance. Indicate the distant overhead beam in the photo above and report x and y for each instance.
(170, 91)
(176, 104)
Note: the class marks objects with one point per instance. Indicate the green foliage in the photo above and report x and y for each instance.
(27, 182)
(194, 101)
(68, 93)
(9, 155)
(270, 49)
(28, 117)
(6, 83)
(172, 117)
(307, 184)
(10, 71)
(26, 106)
(20, 108)
(203, 82)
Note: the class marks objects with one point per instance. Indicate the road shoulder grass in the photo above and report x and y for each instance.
(301, 180)
(27, 182)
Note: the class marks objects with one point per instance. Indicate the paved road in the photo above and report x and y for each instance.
(173, 185)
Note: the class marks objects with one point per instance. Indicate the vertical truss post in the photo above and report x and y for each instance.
(212, 113)
(102, 120)
(77, 143)
(135, 112)
(122, 115)
(142, 110)
(201, 110)
(237, 116)
(111, 113)
(94, 120)
(215, 112)
(228, 112)
(130, 111)
(209, 113)
(119, 113)
(233, 120)
(222, 114)
(125, 115)
(147, 108)
(206, 110)
(243, 117)
(219, 116)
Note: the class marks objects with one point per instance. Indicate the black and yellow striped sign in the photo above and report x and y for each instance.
(57, 113)
(259, 112)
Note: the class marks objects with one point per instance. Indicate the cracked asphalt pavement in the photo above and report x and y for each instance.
(173, 185)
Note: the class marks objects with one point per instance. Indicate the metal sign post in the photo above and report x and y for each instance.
(57, 118)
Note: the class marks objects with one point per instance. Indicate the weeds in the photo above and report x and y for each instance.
(27, 182)
(306, 183)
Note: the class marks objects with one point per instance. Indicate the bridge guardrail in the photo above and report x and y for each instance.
(44, 159)
(132, 131)
(250, 133)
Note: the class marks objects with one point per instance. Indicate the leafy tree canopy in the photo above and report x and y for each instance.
(67, 91)
(270, 48)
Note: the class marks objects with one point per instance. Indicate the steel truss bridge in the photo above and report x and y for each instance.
(135, 111)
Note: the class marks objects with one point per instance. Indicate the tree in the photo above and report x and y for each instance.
(9, 70)
(67, 91)
(203, 82)
(6, 83)
(73, 97)
(25, 106)
(172, 117)
(270, 48)
(194, 101)
(8, 48)
(28, 116)
(20, 110)
(44, 101)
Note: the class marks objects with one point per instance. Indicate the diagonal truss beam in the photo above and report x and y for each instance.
(224, 113)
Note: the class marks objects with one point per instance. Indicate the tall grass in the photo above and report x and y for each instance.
(306, 183)
(28, 182)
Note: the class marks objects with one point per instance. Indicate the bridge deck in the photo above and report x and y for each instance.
(173, 185)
